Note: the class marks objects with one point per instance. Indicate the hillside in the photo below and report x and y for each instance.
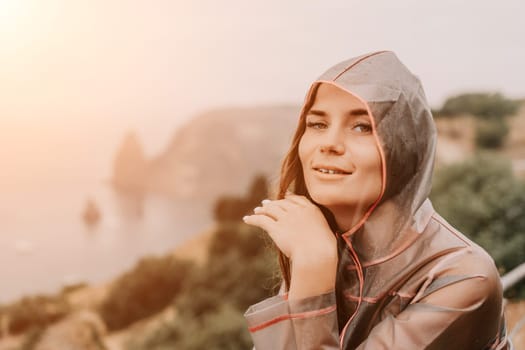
(219, 152)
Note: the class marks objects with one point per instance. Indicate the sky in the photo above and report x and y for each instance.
(76, 75)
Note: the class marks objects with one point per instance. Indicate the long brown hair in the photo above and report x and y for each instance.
(292, 178)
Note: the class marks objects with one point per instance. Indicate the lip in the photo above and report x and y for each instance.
(339, 171)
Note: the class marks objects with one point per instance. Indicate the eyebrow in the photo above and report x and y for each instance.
(353, 112)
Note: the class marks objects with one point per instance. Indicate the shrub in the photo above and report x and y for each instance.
(144, 291)
(491, 110)
(240, 270)
(230, 208)
(491, 133)
(35, 312)
(484, 105)
(241, 265)
(223, 329)
(31, 338)
(484, 200)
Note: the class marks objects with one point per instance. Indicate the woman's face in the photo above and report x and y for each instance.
(338, 152)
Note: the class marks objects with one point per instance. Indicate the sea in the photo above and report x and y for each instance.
(45, 244)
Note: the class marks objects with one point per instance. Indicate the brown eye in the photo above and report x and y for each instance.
(363, 128)
(315, 125)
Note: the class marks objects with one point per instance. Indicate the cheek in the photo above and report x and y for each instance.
(375, 169)
(303, 151)
(371, 161)
(376, 164)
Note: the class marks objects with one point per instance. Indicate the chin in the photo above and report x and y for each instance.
(329, 200)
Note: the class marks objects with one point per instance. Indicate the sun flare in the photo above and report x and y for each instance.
(11, 12)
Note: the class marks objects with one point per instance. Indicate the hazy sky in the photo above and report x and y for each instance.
(94, 68)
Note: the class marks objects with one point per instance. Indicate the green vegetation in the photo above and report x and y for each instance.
(483, 105)
(230, 208)
(209, 312)
(490, 110)
(31, 338)
(240, 271)
(491, 133)
(483, 199)
(144, 291)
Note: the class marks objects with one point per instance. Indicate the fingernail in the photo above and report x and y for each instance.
(244, 218)
(256, 209)
(265, 201)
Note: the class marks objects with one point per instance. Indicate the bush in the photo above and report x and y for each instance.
(491, 133)
(244, 270)
(484, 200)
(484, 105)
(144, 291)
(35, 312)
(491, 110)
(31, 338)
(229, 208)
(223, 329)
(240, 270)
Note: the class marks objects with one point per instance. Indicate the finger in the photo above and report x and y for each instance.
(271, 210)
(267, 202)
(262, 221)
(297, 199)
(284, 204)
(265, 223)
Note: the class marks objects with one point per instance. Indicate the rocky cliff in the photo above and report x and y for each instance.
(219, 152)
(130, 165)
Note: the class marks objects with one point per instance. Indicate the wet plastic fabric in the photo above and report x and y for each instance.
(406, 279)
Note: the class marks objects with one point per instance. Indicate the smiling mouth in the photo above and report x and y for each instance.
(331, 171)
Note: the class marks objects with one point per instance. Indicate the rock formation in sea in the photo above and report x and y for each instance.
(130, 165)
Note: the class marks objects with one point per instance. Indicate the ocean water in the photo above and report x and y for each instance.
(45, 244)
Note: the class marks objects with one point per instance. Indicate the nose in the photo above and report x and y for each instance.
(333, 143)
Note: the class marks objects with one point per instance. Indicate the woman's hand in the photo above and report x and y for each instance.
(300, 231)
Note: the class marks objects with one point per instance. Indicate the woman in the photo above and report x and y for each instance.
(365, 260)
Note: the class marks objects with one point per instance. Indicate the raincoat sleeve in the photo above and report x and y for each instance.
(311, 323)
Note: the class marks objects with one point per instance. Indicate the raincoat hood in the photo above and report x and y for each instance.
(406, 139)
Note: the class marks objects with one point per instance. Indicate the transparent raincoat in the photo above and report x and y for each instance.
(406, 279)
